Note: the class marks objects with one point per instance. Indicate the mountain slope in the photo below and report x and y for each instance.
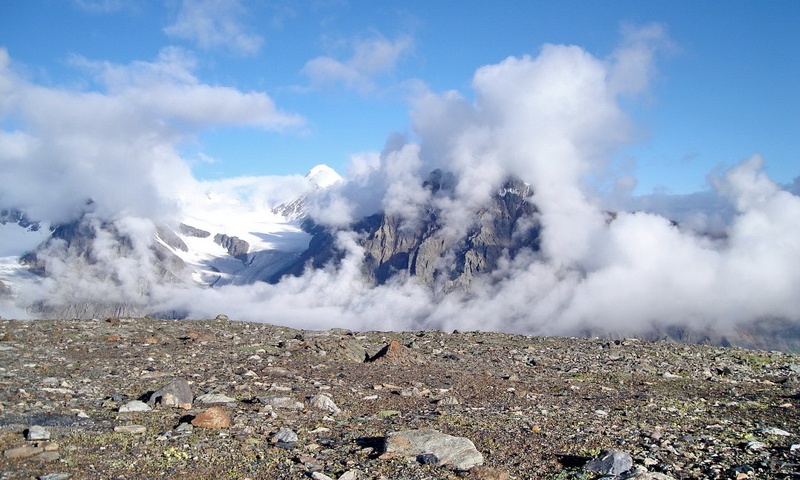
(93, 266)
(424, 249)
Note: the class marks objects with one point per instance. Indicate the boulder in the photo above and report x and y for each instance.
(457, 452)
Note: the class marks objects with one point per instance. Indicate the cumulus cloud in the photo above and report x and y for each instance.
(215, 24)
(370, 58)
(553, 119)
(118, 143)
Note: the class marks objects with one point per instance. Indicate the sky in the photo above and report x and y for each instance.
(679, 117)
(327, 81)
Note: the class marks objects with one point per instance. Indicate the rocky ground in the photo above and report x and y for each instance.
(107, 399)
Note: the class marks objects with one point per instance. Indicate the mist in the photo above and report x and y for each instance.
(714, 260)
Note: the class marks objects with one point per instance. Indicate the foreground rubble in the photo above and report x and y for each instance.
(109, 399)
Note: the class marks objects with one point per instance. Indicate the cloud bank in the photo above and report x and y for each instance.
(117, 145)
(554, 119)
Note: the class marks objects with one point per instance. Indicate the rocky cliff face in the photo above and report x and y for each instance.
(235, 246)
(424, 249)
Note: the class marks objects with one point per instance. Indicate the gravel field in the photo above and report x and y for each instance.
(218, 399)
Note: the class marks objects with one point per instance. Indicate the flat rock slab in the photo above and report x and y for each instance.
(135, 406)
(457, 452)
(210, 398)
(22, 452)
(131, 429)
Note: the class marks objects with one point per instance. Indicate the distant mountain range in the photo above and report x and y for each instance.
(95, 267)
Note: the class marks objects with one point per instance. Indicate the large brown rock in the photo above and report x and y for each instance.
(214, 417)
(397, 354)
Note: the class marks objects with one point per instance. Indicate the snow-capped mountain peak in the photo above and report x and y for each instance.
(319, 178)
(323, 176)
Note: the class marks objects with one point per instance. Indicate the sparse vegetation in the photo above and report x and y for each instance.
(688, 411)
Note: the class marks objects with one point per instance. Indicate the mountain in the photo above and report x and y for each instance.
(124, 266)
(217, 242)
(319, 178)
(424, 249)
(18, 234)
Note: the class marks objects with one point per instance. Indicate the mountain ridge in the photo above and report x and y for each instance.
(132, 265)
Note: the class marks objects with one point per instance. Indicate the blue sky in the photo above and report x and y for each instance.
(342, 75)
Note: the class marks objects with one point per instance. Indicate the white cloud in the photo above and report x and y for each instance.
(555, 119)
(115, 144)
(370, 58)
(213, 24)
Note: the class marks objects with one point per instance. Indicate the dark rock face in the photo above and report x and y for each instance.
(193, 231)
(72, 239)
(295, 209)
(170, 238)
(235, 246)
(425, 250)
(15, 216)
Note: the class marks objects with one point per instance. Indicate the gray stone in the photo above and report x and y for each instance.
(176, 393)
(235, 246)
(320, 476)
(350, 475)
(285, 435)
(22, 452)
(214, 398)
(184, 428)
(36, 432)
(610, 462)
(325, 403)
(48, 457)
(457, 452)
(651, 476)
(131, 429)
(775, 431)
(135, 406)
(55, 476)
(280, 401)
(756, 445)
